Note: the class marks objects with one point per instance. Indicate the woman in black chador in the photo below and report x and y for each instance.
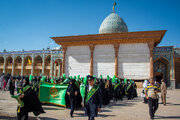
(27, 102)
(72, 92)
(105, 91)
(12, 85)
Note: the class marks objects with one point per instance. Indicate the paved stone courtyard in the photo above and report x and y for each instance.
(121, 110)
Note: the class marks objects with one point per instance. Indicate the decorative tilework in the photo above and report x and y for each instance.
(113, 24)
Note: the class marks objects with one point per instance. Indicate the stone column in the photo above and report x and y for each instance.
(51, 70)
(32, 65)
(151, 47)
(22, 66)
(91, 47)
(4, 66)
(172, 71)
(116, 49)
(64, 48)
(54, 70)
(59, 69)
(43, 64)
(13, 65)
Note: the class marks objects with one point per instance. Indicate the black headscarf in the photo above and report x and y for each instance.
(72, 87)
(73, 82)
(27, 81)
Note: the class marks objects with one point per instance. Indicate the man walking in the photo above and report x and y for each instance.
(92, 98)
(151, 93)
(163, 92)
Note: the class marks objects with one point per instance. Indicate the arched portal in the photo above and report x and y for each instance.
(37, 65)
(9, 64)
(162, 70)
(47, 66)
(27, 66)
(1, 64)
(57, 68)
(17, 65)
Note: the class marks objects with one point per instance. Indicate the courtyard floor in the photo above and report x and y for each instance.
(121, 110)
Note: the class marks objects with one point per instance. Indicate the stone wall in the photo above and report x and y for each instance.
(77, 61)
(104, 56)
(133, 61)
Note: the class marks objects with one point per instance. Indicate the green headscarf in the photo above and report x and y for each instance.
(85, 80)
(94, 78)
(30, 78)
(125, 81)
(43, 78)
(114, 79)
(108, 78)
(64, 76)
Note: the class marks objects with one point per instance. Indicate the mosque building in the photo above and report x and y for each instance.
(114, 51)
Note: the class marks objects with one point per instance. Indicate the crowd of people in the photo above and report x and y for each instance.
(110, 88)
(89, 92)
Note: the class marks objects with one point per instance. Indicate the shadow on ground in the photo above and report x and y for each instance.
(123, 103)
(168, 103)
(167, 117)
(6, 117)
(99, 115)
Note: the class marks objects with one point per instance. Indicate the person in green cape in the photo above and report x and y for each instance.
(106, 91)
(27, 101)
(129, 89)
(117, 90)
(93, 98)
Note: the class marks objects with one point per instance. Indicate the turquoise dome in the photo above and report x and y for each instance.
(113, 24)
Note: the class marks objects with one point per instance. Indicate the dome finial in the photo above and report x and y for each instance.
(114, 6)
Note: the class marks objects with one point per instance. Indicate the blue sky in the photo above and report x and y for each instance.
(29, 24)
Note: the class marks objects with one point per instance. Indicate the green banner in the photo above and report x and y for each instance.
(53, 93)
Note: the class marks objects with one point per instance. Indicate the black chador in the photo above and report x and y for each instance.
(117, 92)
(129, 89)
(134, 92)
(28, 102)
(12, 85)
(106, 92)
(72, 92)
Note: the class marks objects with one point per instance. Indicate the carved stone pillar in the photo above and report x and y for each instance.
(54, 70)
(59, 70)
(51, 70)
(4, 66)
(116, 49)
(13, 65)
(151, 47)
(91, 47)
(64, 48)
(43, 64)
(22, 66)
(32, 65)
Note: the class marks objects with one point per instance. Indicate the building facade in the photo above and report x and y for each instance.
(166, 64)
(35, 62)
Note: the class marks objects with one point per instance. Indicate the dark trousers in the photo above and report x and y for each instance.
(90, 118)
(72, 109)
(73, 105)
(91, 111)
(20, 116)
(145, 100)
(153, 106)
